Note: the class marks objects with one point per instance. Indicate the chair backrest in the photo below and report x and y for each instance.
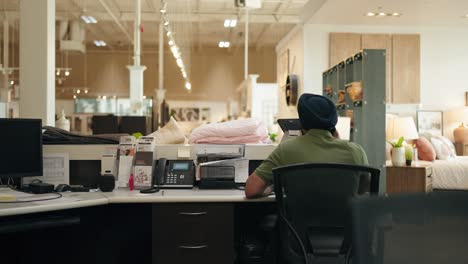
(314, 199)
(106, 124)
(411, 228)
(132, 124)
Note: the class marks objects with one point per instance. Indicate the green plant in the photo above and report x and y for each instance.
(409, 152)
(398, 144)
(137, 135)
(273, 137)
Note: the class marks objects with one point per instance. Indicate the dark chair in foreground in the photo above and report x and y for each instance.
(412, 228)
(313, 204)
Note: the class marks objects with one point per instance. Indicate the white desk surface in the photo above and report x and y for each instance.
(68, 201)
(182, 196)
(78, 200)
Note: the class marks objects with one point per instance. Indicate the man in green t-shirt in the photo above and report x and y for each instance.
(319, 144)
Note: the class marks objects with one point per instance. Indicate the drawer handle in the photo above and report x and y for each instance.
(193, 214)
(194, 247)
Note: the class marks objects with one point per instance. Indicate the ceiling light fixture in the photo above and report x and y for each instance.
(67, 73)
(370, 14)
(466, 16)
(57, 73)
(176, 51)
(381, 14)
(230, 23)
(74, 96)
(396, 14)
(86, 91)
(78, 91)
(224, 44)
(88, 19)
(12, 82)
(100, 43)
(104, 97)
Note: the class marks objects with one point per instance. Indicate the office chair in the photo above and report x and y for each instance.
(133, 124)
(107, 124)
(313, 205)
(411, 228)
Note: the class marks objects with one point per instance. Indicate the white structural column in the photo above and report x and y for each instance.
(160, 92)
(37, 60)
(4, 82)
(136, 70)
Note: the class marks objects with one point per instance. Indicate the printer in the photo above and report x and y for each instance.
(221, 166)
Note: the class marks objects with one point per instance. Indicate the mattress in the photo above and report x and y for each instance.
(450, 174)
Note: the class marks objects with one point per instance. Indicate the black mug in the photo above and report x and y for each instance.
(106, 183)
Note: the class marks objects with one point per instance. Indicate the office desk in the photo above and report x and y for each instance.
(171, 226)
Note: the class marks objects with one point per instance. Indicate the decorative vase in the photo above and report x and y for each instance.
(398, 156)
(63, 122)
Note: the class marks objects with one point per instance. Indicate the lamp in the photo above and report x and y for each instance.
(401, 127)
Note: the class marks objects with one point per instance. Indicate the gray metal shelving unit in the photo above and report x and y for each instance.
(365, 69)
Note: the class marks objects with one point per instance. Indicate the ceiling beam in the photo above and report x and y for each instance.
(309, 10)
(175, 17)
(115, 19)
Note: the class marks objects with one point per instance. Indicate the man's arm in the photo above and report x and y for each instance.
(255, 186)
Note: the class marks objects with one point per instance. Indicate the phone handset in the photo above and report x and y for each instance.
(161, 172)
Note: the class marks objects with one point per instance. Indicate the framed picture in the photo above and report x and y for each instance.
(430, 122)
(186, 114)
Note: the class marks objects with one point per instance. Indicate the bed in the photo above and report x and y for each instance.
(450, 174)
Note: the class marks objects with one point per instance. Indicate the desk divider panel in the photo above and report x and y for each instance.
(358, 84)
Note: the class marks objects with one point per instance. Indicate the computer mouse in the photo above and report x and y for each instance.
(63, 188)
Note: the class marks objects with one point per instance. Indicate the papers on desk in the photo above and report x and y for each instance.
(47, 198)
(56, 169)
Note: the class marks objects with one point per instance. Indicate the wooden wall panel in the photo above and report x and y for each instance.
(342, 46)
(406, 69)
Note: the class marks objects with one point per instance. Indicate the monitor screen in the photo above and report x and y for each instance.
(21, 147)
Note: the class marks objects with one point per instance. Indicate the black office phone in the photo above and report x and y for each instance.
(174, 174)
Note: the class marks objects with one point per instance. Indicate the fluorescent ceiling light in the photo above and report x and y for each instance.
(396, 14)
(78, 91)
(171, 42)
(233, 23)
(88, 19)
(370, 14)
(184, 74)
(166, 23)
(100, 43)
(74, 96)
(67, 73)
(230, 23)
(188, 86)
(104, 97)
(381, 14)
(86, 91)
(224, 44)
(169, 33)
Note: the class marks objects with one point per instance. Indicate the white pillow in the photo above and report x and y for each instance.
(450, 145)
(443, 151)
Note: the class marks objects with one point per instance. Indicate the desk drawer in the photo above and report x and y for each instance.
(181, 232)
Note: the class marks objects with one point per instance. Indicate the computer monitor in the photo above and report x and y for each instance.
(21, 147)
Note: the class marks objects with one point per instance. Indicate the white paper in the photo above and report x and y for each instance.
(344, 127)
(56, 169)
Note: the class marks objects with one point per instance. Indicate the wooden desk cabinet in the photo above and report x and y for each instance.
(415, 178)
(193, 233)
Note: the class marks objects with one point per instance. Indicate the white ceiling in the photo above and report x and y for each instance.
(448, 13)
(200, 21)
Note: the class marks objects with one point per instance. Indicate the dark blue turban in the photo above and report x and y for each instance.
(316, 111)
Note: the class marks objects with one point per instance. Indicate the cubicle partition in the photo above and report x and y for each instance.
(357, 87)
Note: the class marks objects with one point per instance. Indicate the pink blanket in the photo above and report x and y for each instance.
(232, 132)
